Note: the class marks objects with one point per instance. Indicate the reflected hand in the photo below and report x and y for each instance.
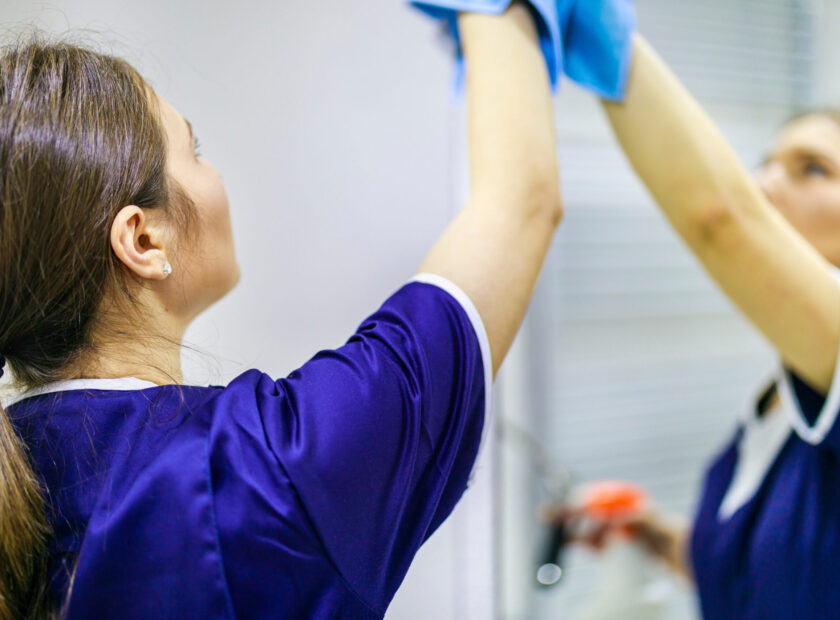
(661, 534)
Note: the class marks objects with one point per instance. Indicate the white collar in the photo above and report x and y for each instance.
(117, 383)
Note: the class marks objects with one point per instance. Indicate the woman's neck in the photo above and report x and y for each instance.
(160, 366)
(151, 351)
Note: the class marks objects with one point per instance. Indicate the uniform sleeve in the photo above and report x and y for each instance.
(379, 437)
(812, 415)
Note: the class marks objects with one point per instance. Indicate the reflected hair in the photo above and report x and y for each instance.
(828, 112)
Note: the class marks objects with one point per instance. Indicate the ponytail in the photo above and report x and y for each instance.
(23, 532)
(80, 137)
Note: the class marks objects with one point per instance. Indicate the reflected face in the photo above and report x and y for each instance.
(207, 269)
(801, 178)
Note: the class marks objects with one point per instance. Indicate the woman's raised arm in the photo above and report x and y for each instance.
(495, 247)
(783, 285)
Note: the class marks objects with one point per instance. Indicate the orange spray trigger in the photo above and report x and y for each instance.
(614, 500)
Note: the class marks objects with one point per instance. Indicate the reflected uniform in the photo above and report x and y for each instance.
(303, 497)
(766, 539)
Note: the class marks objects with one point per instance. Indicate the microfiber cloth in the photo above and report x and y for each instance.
(598, 44)
(548, 27)
(590, 40)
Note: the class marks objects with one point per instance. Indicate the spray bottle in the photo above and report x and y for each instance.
(633, 585)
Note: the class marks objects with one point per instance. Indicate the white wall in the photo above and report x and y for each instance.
(331, 124)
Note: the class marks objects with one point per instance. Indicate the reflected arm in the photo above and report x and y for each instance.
(761, 263)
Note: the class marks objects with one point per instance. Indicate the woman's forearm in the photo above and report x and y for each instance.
(771, 273)
(495, 247)
(511, 139)
(676, 149)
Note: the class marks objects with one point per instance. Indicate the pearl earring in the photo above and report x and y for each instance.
(167, 269)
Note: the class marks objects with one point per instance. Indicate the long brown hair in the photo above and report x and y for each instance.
(80, 137)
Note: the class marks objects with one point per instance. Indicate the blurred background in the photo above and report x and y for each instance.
(343, 152)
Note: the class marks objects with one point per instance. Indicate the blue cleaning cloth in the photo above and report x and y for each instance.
(548, 27)
(590, 40)
(598, 44)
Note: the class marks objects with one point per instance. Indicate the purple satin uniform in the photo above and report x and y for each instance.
(302, 497)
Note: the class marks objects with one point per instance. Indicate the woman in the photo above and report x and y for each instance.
(125, 494)
(766, 538)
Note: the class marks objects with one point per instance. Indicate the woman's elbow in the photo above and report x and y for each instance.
(525, 202)
(549, 204)
(543, 200)
(718, 221)
(709, 222)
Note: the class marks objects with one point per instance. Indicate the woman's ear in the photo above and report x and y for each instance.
(140, 243)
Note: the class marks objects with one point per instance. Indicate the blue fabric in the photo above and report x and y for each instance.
(590, 40)
(303, 497)
(810, 401)
(548, 26)
(778, 556)
(598, 44)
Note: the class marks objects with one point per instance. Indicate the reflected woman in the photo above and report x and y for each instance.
(765, 542)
